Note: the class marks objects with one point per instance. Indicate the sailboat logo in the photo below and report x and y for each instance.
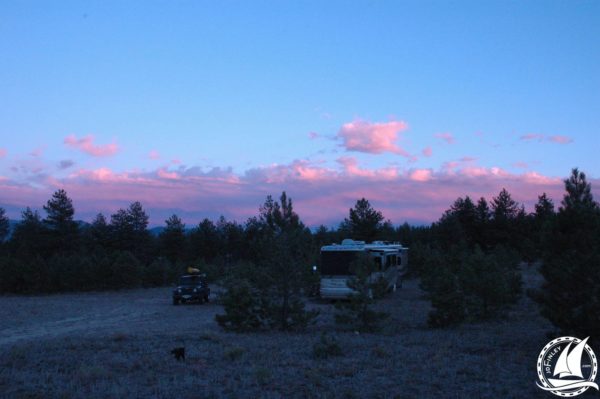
(567, 366)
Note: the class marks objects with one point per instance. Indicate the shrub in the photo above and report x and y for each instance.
(356, 312)
(126, 271)
(233, 354)
(469, 285)
(326, 347)
(158, 273)
(242, 306)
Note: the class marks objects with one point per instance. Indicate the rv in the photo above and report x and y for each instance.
(390, 259)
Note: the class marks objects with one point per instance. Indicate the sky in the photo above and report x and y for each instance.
(204, 108)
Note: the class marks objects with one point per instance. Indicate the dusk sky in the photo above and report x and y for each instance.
(204, 108)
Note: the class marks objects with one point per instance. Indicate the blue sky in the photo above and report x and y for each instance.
(497, 93)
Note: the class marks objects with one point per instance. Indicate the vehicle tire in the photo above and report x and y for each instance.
(175, 302)
(206, 299)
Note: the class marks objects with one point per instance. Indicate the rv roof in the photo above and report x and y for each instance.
(351, 245)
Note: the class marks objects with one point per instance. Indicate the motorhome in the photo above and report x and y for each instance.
(390, 259)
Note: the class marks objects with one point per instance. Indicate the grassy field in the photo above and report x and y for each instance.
(117, 344)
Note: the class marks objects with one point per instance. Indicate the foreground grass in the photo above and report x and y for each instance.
(117, 345)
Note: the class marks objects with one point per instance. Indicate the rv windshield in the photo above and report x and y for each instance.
(336, 263)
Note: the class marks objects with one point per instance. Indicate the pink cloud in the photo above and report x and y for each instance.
(165, 174)
(447, 137)
(560, 139)
(2, 152)
(321, 194)
(557, 139)
(421, 175)
(37, 152)
(86, 144)
(373, 137)
(154, 155)
(426, 152)
(313, 135)
(351, 169)
(532, 136)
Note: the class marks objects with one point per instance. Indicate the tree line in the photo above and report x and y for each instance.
(469, 261)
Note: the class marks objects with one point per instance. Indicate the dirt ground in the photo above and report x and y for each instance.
(117, 344)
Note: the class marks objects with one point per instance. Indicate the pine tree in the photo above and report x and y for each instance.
(357, 312)
(100, 231)
(483, 216)
(282, 251)
(204, 241)
(172, 238)
(569, 297)
(503, 227)
(4, 225)
(59, 220)
(129, 231)
(543, 218)
(544, 208)
(363, 222)
(29, 237)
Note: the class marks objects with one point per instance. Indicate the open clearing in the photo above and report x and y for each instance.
(116, 345)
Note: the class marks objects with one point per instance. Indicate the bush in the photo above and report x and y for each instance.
(326, 347)
(242, 306)
(470, 286)
(70, 273)
(158, 273)
(356, 312)
(125, 271)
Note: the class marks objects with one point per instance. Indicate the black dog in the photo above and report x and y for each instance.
(179, 353)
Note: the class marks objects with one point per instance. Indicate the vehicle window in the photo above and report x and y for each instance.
(337, 262)
(190, 280)
(377, 261)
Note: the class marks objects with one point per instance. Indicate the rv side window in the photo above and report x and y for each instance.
(377, 261)
(392, 261)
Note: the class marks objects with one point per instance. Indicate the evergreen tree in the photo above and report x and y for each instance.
(569, 297)
(204, 241)
(59, 220)
(504, 207)
(231, 244)
(172, 239)
(4, 225)
(282, 249)
(357, 312)
(29, 237)
(579, 193)
(505, 212)
(363, 222)
(99, 231)
(464, 211)
(129, 231)
(483, 216)
(544, 208)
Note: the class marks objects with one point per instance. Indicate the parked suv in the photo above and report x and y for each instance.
(191, 288)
